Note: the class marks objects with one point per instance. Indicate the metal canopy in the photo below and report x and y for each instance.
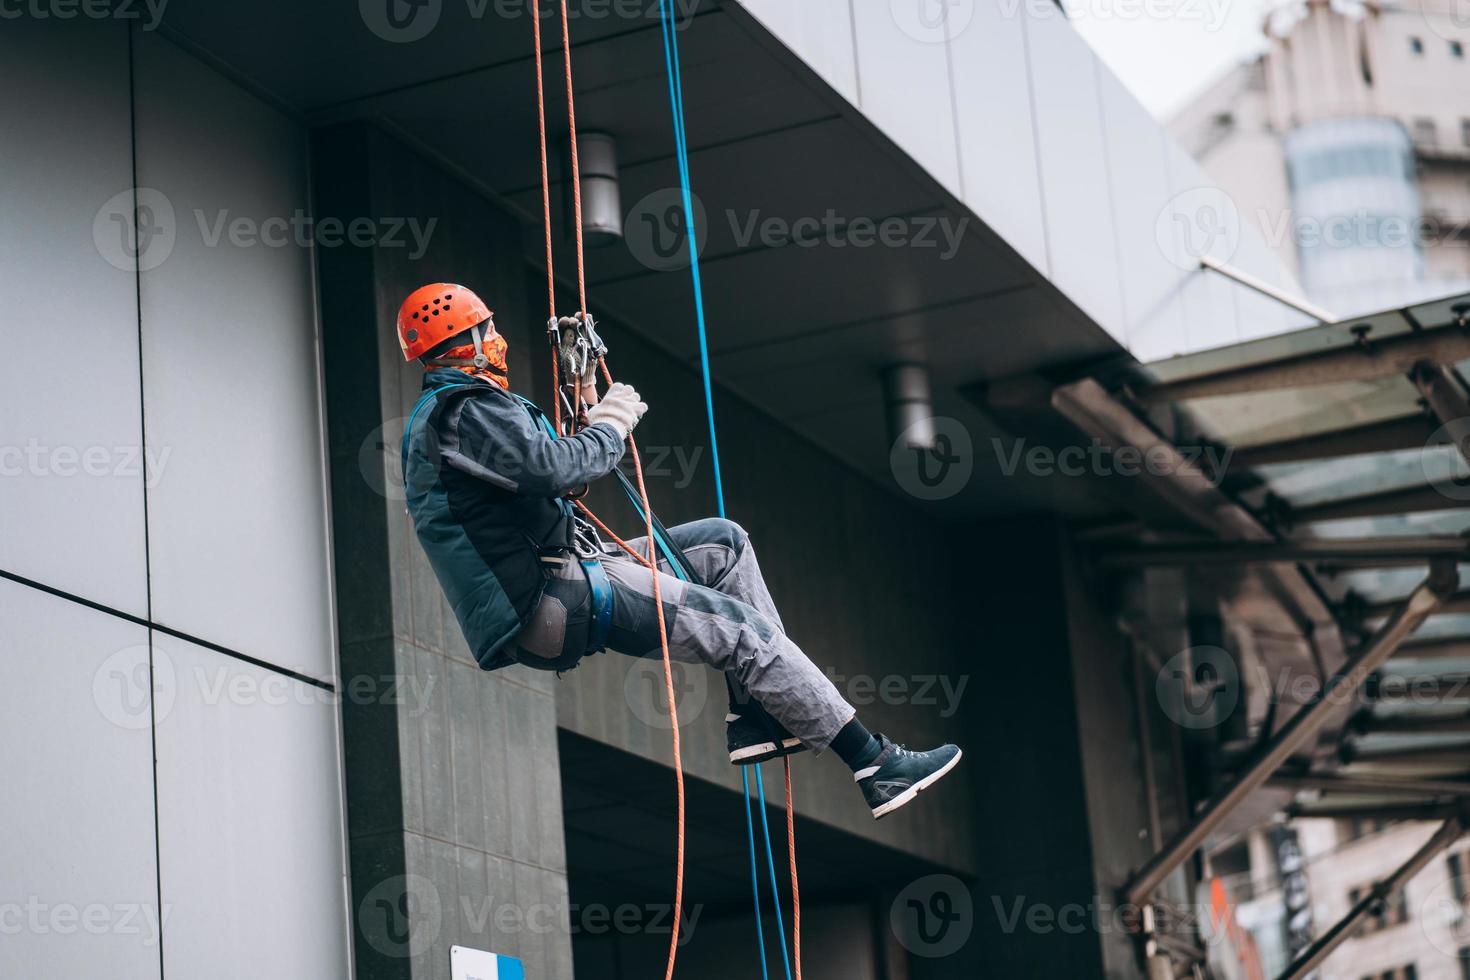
(1345, 468)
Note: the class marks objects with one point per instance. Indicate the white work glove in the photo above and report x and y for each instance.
(619, 408)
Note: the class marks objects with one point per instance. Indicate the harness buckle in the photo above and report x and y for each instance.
(585, 540)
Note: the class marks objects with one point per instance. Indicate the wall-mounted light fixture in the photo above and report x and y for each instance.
(910, 405)
(602, 205)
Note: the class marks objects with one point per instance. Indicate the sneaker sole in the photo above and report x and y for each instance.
(764, 752)
(909, 795)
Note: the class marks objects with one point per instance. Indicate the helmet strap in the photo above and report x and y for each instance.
(480, 360)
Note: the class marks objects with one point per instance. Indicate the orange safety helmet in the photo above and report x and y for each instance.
(434, 313)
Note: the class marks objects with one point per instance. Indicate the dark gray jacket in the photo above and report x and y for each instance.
(485, 477)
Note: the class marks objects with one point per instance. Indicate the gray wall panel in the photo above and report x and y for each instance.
(1073, 165)
(230, 372)
(78, 808)
(250, 821)
(70, 288)
(896, 72)
(997, 138)
(1139, 182)
(1209, 299)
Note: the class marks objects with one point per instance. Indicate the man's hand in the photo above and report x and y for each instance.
(620, 408)
(589, 382)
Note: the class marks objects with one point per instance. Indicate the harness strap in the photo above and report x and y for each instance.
(602, 605)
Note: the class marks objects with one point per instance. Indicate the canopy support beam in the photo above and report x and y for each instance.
(1298, 730)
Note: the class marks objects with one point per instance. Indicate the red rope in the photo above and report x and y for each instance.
(651, 561)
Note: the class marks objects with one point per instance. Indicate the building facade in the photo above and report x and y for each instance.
(1347, 144)
(250, 739)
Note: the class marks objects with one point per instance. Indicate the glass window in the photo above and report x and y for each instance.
(1465, 963)
(1425, 131)
(1416, 45)
(1465, 131)
(1455, 865)
(1457, 49)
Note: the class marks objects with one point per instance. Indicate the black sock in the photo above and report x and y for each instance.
(856, 745)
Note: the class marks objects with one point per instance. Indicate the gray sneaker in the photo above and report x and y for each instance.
(898, 775)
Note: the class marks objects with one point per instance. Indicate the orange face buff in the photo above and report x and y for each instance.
(494, 348)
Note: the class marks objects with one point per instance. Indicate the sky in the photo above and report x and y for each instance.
(1166, 51)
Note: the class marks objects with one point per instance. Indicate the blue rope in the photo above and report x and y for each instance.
(755, 880)
(681, 156)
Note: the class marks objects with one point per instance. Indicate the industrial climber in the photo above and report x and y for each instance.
(487, 479)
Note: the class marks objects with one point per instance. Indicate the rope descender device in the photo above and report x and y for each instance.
(577, 347)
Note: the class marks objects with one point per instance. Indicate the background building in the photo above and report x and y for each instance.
(237, 706)
(1347, 144)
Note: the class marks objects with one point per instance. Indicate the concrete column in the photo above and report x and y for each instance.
(453, 784)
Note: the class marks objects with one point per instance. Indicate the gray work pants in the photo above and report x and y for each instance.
(726, 619)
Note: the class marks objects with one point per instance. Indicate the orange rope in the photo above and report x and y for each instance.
(610, 533)
(546, 213)
(651, 562)
(795, 889)
(566, 47)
